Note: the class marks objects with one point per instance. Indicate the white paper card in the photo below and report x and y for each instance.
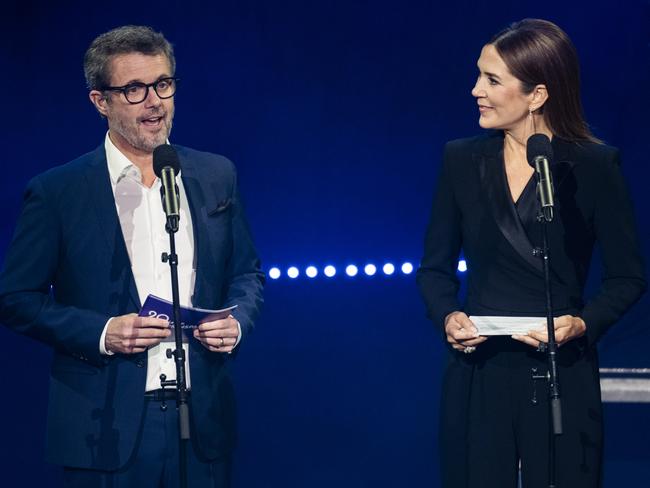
(495, 325)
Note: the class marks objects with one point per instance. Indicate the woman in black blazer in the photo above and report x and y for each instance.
(493, 414)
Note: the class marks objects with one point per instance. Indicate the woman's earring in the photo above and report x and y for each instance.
(532, 119)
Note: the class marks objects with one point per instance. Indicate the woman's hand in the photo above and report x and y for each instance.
(567, 328)
(461, 332)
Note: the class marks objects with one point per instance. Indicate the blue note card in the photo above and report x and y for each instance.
(190, 317)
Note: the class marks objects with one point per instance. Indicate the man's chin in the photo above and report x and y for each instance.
(150, 143)
(156, 139)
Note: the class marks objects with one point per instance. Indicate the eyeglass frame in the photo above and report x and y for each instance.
(122, 89)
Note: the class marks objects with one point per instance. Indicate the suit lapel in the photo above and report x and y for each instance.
(495, 186)
(201, 203)
(98, 179)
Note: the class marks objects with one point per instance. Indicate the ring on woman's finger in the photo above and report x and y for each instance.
(469, 349)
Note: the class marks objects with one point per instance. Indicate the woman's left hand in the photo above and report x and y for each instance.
(567, 327)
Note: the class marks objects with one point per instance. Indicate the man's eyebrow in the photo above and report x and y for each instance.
(137, 80)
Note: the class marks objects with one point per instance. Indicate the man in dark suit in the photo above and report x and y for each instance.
(86, 253)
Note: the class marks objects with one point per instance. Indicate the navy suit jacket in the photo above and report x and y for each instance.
(67, 272)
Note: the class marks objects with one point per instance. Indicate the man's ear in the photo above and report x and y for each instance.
(100, 101)
(540, 96)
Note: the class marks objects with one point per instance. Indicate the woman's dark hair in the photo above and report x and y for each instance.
(539, 52)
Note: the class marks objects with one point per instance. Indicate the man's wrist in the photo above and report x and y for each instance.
(238, 335)
(102, 340)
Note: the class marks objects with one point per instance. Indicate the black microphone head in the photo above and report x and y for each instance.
(163, 156)
(538, 145)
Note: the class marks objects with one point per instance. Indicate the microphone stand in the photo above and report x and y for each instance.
(178, 353)
(545, 217)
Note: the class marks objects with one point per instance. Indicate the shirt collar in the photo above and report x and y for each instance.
(118, 164)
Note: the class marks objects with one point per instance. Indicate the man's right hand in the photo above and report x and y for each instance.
(129, 334)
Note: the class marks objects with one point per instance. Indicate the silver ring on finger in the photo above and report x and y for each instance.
(469, 349)
(222, 342)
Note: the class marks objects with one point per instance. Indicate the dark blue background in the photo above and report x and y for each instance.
(335, 113)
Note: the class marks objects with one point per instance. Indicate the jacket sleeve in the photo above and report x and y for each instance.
(623, 276)
(245, 279)
(27, 297)
(436, 276)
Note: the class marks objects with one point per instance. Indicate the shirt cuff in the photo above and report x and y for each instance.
(239, 335)
(102, 344)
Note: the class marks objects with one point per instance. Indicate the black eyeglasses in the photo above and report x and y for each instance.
(137, 92)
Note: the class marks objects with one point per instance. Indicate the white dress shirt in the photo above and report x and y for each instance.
(143, 219)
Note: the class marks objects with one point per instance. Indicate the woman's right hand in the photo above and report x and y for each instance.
(462, 334)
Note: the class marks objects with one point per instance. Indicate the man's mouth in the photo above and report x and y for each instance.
(154, 121)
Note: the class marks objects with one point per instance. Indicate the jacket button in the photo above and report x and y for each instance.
(139, 363)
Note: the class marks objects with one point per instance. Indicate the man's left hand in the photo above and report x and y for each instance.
(218, 335)
(567, 327)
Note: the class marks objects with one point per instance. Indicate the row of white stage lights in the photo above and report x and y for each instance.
(351, 270)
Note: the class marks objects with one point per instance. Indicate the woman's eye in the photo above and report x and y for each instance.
(492, 81)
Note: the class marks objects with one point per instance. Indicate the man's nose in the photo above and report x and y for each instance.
(152, 99)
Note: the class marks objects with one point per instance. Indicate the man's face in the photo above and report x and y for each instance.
(140, 127)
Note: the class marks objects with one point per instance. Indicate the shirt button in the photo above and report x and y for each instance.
(139, 363)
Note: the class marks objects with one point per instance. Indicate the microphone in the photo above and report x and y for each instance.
(166, 166)
(540, 154)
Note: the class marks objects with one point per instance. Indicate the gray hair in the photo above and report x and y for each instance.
(122, 40)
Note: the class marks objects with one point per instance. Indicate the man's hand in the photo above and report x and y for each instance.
(461, 332)
(567, 327)
(218, 335)
(129, 334)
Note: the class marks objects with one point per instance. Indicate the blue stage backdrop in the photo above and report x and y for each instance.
(335, 114)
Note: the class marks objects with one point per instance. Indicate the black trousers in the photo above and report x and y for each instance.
(493, 415)
(155, 461)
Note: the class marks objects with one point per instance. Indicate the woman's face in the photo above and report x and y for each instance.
(502, 104)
